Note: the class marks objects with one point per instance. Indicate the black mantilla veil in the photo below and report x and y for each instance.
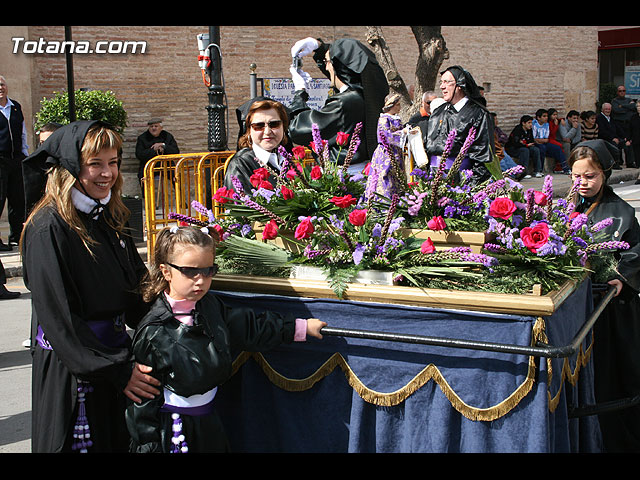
(63, 148)
(356, 66)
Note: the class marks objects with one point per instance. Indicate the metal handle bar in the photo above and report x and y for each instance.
(539, 350)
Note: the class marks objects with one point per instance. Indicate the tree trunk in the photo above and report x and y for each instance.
(432, 52)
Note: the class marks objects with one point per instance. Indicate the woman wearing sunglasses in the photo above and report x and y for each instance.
(83, 270)
(267, 122)
(187, 338)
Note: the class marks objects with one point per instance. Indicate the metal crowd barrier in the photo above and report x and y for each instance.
(172, 182)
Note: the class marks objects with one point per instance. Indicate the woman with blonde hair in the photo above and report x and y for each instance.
(83, 270)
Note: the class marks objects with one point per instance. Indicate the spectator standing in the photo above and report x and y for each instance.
(153, 142)
(522, 146)
(622, 111)
(13, 149)
(608, 131)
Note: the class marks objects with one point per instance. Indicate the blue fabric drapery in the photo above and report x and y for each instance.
(353, 395)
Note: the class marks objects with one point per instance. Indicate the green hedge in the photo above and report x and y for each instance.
(90, 105)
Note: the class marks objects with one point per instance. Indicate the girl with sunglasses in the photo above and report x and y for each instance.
(266, 122)
(187, 338)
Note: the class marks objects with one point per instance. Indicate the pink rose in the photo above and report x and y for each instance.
(535, 237)
(316, 173)
(304, 229)
(270, 230)
(502, 207)
(427, 246)
(437, 223)
(367, 169)
(358, 217)
(540, 198)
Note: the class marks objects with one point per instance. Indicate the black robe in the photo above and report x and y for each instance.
(340, 113)
(144, 152)
(70, 289)
(192, 360)
(617, 331)
(445, 118)
(242, 165)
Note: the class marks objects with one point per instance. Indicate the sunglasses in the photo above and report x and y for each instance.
(273, 124)
(193, 272)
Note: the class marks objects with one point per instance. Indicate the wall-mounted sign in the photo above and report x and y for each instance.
(281, 90)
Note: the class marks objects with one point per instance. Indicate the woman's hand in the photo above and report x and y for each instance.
(618, 284)
(141, 384)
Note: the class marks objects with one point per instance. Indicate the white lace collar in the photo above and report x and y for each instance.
(87, 204)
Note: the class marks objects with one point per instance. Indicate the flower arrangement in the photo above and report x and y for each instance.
(343, 229)
(544, 241)
(300, 190)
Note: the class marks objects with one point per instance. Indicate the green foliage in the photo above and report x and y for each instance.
(606, 94)
(90, 105)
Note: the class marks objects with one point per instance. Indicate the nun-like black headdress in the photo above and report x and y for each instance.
(63, 147)
(465, 81)
(605, 153)
(356, 65)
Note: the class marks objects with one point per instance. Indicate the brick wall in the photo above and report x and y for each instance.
(527, 67)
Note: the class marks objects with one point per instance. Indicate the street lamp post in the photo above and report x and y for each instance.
(216, 107)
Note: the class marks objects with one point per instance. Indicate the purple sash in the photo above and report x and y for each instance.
(112, 332)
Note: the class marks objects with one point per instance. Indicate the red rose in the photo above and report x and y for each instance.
(256, 179)
(262, 173)
(270, 230)
(292, 172)
(316, 173)
(304, 229)
(502, 207)
(298, 152)
(367, 169)
(427, 246)
(342, 138)
(223, 195)
(344, 202)
(358, 217)
(573, 215)
(535, 237)
(287, 193)
(266, 185)
(437, 223)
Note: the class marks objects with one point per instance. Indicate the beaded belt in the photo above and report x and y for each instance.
(177, 405)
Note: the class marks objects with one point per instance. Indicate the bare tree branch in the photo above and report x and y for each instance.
(432, 52)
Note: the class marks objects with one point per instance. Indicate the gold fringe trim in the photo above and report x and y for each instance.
(430, 372)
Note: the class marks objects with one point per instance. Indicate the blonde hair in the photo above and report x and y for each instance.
(60, 182)
(168, 241)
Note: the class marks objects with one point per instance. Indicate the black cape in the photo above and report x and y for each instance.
(617, 330)
(70, 288)
(357, 67)
(242, 165)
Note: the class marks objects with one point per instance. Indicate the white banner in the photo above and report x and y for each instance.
(281, 90)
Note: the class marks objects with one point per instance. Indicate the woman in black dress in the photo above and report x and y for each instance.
(82, 269)
(617, 331)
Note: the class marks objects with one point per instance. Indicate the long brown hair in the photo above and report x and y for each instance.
(168, 240)
(60, 182)
(245, 140)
